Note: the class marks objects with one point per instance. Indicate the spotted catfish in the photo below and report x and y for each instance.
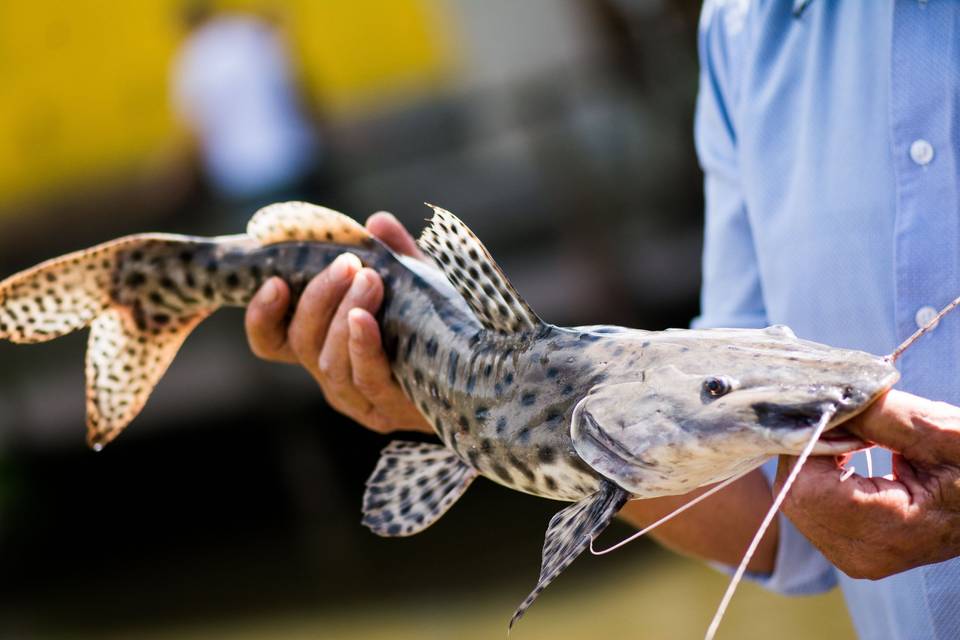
(594, 415)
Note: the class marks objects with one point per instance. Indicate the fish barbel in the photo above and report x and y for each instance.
(591, 415)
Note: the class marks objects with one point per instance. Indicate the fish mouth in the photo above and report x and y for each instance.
(802, 419)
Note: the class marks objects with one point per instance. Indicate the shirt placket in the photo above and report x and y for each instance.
(927, 245)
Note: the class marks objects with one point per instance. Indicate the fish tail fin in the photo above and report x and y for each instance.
(135, 330)
(56, 297)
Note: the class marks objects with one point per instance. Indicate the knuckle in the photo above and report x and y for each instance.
(875, 564)
(261, 348)
(376, 421)
(368, 387)
(333, 372)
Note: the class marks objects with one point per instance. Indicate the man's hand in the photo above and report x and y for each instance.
(875, 527)
(335, 337)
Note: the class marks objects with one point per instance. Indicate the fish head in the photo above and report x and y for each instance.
(713, 403)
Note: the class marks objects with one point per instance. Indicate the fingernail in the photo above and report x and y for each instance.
(269, 292)
(361, 284)
(344, 266)
(354, 324)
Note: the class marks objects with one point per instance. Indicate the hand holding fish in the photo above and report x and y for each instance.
(333, 334)
(876, 527)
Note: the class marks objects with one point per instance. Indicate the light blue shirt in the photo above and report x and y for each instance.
(828, 133)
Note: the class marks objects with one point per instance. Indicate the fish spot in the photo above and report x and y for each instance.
(522, 468)
(546, 455)
(411, 343)
(528, 398)
(501, 472)
(474, 456)
(452, 370)
(481, 413)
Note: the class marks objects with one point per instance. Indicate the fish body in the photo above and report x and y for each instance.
(590, 415)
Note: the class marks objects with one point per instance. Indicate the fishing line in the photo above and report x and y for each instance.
(922, 331)
(732, 587)
(669, 516)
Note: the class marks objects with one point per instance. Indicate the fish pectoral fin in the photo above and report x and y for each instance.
(570, 532)
(475, 275)
(413, 485)
(123, 366)
(302, 221)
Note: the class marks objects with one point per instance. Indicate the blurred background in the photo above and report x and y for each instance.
(559, 130)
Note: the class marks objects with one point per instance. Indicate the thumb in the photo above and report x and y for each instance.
(392, 233)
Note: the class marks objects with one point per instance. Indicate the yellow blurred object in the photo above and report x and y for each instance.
(85, 83)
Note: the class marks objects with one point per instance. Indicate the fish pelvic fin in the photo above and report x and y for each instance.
(138, 310)
(413, 485)
(475, 274)
(301, 221)
(570, 532)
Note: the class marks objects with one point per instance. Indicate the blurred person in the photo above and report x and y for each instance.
(831, 180)
(233, 84)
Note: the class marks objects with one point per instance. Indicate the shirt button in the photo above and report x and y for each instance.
(924, 316)
(921, 152)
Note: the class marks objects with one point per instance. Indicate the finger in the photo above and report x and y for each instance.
(922, 430)
(373, 377)
(336, 375)
(310, 324)
(368, 363)
(905, 473)
(265, 322)
(393, 234)
(817, 473)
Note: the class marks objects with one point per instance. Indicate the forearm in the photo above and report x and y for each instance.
(719, 528)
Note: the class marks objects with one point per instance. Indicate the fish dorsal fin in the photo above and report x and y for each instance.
(124, 363)
(413, 485)
(476, 276)
(302, 221)
(570, 532)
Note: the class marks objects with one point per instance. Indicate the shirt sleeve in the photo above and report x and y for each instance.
(732, 292)
(731, 295)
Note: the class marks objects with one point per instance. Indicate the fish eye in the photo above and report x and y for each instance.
(717, 386)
